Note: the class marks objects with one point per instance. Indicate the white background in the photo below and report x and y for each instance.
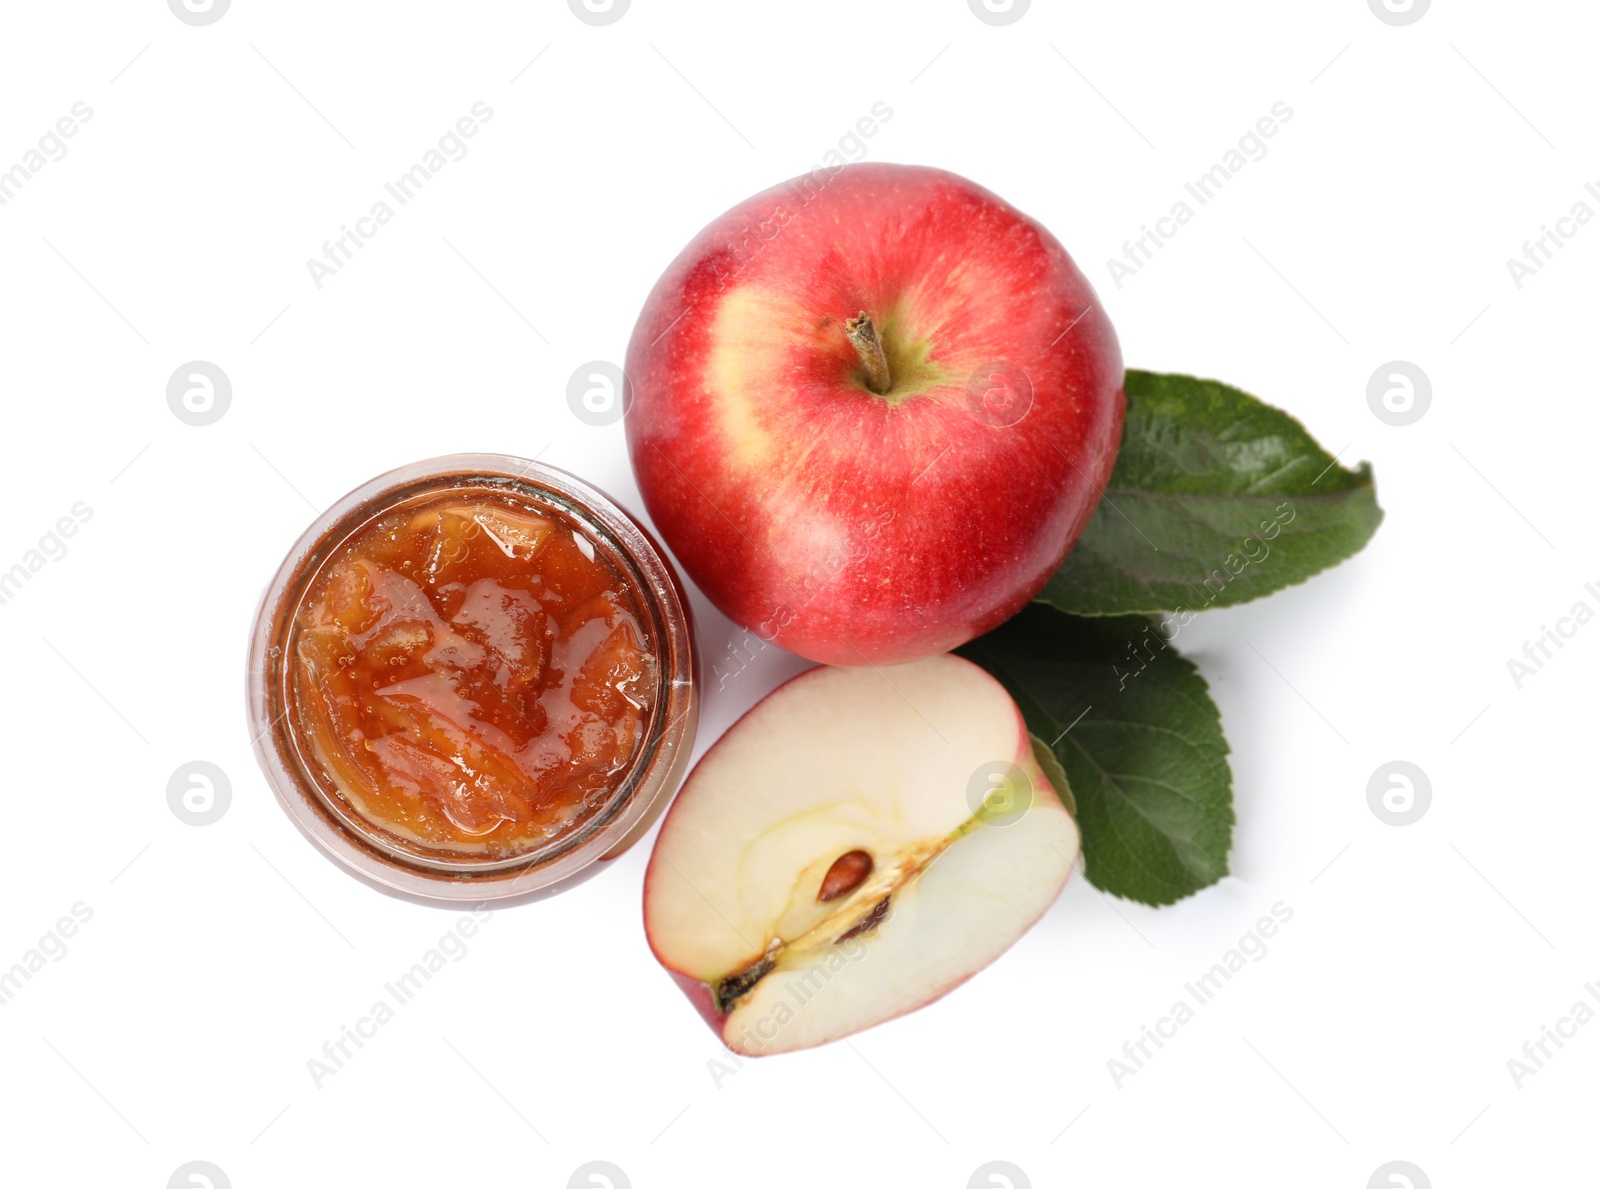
(219, 959)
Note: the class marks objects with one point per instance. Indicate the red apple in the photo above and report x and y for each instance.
(871, 411)
(859, 844)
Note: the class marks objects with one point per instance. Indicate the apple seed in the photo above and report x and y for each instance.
(845, 876)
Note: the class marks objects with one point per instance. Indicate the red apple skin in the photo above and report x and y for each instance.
(847, 527)
(701, 995)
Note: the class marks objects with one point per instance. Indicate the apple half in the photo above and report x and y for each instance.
(858, 844)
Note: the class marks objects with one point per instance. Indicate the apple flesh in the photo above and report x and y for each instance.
(860, 843)
(872, 409)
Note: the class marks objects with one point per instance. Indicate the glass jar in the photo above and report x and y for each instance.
(320, 800)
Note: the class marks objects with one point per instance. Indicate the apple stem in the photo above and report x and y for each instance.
(863, 336)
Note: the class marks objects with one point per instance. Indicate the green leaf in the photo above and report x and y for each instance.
(1216, 499)
(1054, 772)
(1139, 739)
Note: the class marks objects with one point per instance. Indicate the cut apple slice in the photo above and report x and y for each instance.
(860, 843)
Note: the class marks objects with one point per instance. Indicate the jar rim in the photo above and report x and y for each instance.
(640, 791)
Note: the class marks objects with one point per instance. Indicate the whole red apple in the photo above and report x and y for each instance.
(872, 409)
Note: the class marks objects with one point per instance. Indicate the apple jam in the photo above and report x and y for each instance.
(472, 673)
